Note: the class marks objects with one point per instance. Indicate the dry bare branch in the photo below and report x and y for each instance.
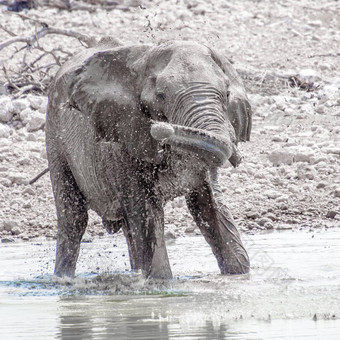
(25, 89)
(325, 55)
(89, 41)
(10, 83)
(7, 31)
(85, 5)
(25, 17)
(33, 75)
(91, 8)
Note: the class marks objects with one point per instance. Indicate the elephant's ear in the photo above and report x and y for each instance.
(239, 109)
(104, 88)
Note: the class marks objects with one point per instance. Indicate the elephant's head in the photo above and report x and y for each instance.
(179, 93)
(199, 96)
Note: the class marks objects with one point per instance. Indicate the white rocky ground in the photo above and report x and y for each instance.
(290, 176)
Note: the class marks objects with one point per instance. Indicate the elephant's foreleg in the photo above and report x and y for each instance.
(218, 227)
(72, 219)
(144, 230)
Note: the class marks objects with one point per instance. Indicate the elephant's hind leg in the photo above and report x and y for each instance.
(72, 218)
(144, 232)
(143, 226)
(218, 227)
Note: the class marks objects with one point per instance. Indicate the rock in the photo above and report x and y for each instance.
(271, 194)
(170, 235)
(51, 234)
(304, 172)
(278, 138)
(318, 129)
(4, 168)
(318, 159)
(35, 101)
(259, 175)
(190, 230)
(16, 231)
(269, 225)
(33, 146)
(321, 185)
(278, 157)
(337, 193)
(36, 123)
(333, 150)
(253, 214)
(282, 199)
(26, 115)
(315, 23)
(4, 131)
(9, 225)
(320, 108)
(87, 238)
(284, 227)
(31, 137)
(5, 182)
(262, 221)
(6, 109)
(323, 98)
(331, 214)
(271, 216)
(237, 191)
(289, 111)
(43, 106)
(331, 91)
(29, 191)
(309, 75)
(19, 105)
(293, 189)
(17, 178)
(303, 155)
(25, 237)
(253, 225)
(178, 202)
(7, 240)
(43, 153)
(24, 161)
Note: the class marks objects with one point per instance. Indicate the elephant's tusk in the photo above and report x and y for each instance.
(161, 131)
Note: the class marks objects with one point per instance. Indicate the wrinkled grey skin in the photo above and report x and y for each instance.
(130, 128)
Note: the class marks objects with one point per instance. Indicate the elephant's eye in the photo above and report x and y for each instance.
(160, 96)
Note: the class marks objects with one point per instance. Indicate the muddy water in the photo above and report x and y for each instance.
(292, 292)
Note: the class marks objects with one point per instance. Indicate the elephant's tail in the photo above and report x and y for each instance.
(33, 180)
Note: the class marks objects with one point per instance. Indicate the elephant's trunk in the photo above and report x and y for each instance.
(200, 106)
(198, 124)
(213, 149)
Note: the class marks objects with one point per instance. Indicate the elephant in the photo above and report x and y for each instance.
(129, 128)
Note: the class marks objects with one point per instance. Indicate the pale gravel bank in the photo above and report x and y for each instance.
(290, 175)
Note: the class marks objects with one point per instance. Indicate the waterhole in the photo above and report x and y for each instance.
(292, 291)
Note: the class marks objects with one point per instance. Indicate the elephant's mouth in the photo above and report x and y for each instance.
(212, 148)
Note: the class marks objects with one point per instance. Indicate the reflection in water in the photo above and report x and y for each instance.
(143, 318)
(294, 281)
(86, 318)
(129, 320)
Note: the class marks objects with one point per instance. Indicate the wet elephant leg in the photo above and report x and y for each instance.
(72, 218)
(218, 227)
(144, 229)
